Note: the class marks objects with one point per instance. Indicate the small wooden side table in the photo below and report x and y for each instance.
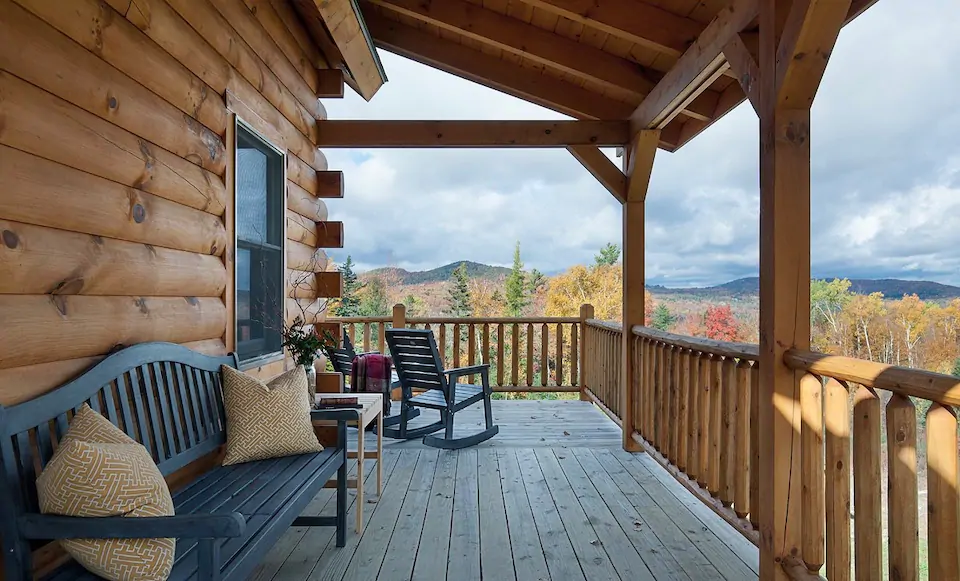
(372, 411)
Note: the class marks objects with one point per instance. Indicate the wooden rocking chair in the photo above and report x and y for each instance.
(419, 366)
(341, 358)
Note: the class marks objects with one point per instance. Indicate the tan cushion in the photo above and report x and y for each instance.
(98, 471)
(267, 420)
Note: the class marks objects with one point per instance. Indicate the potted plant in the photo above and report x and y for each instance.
(305, 345)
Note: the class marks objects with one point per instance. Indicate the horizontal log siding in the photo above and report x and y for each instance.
(115, 203)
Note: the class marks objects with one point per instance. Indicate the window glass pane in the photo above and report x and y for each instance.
(259, 256)
(251, 195)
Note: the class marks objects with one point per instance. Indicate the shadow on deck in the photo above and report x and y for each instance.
(552, 497)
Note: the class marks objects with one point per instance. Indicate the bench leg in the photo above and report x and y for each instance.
(208, 558)
(342, 489)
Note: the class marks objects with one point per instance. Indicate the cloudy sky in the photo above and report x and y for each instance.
(886, 173)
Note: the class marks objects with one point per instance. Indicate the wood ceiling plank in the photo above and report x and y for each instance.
(492, 72)
(510, 34)
(634, 21)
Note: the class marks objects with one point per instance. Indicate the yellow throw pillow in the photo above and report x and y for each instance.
(98, 471)
(267, 420)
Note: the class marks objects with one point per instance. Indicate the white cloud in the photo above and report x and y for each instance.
(885, 177)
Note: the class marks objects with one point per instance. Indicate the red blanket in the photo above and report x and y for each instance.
(371, 373)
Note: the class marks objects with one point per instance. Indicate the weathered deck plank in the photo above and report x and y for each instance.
(528, 508)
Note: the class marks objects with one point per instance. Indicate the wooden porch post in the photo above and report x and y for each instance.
(638, 164)
(795, 43)
(586, 313)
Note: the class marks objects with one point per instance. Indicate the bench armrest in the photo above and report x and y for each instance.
(187, 526)
(470, 370)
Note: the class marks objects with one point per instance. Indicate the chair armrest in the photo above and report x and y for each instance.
(470, 370)
(187, 526)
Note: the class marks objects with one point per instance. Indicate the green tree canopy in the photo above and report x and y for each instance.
(373, 302)
(609, 255)
(662, 318)
(349, 304)
(956, 367)
(458, 295)
(516, 285)
(536, 280)
(415, 306)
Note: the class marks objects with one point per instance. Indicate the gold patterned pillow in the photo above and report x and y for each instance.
(267, 420)
(98, 471)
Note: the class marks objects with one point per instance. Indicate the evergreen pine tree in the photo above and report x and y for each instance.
(373, 303)
(349, 304)
(458, 296)
(415, 306)
(662, 318)
(609, 255)
(537, 280)
(516, 286)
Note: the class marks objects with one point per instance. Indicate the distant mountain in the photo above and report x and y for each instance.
(890, 287)
(439, 274)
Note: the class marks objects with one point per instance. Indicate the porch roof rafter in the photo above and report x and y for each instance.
(402, 133)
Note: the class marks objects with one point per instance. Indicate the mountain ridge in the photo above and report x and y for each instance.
(747, 286)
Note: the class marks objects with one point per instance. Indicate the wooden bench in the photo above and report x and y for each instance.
(168, 398)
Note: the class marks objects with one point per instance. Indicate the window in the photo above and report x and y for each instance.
(259, 257)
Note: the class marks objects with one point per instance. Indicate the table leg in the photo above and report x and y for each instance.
(360, 430)
(379, 454)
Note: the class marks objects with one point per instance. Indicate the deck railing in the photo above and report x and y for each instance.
(696, 409)
(842, 410)
(528, 354)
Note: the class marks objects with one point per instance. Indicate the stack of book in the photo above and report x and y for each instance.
(341, 402)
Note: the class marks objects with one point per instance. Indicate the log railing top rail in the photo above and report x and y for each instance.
(747, 351)
(461, 320)
(943, 389)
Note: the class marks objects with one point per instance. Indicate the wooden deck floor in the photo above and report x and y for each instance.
(521, 508)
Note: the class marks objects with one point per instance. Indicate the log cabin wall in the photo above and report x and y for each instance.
(116, 175)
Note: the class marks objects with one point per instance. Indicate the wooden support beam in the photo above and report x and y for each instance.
(329, 234)
(329, 284)
(811, 32)
(330, 83)
(637, 22)
(346, 27)
(367, 134)
(638, 165)
(741, 53)
(696, 69)
(473, 65)
(330, 184)
(539, 45)
(606, 172)
(785, 259)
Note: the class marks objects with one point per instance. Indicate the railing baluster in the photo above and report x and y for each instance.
(693, 418)
(741, 475)
(811, 472)
(471, 348)
(703, 413)
(529, 354)
(351, 333)
(575, 332)
(660, 398)
(867, 526)
(902, 502)
(515, 354)
(443, 344)
(754, 443)
(544, 354)
(559, 354)
(501, 362)
(366, 337)
(381, 337)
(716, 417)
(674, 403)
(455, 340)
(486, 344)
(942, 497)
(728, 434)
(683, 409)
(837, 487)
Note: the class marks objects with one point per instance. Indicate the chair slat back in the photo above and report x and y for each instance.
(163, 395)
(417, 359)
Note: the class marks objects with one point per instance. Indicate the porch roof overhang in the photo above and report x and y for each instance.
(665, 66)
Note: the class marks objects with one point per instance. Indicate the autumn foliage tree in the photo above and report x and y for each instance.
(720, 324)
